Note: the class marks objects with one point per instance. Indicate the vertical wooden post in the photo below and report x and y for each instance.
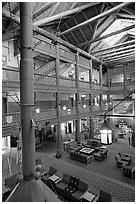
(125, 80)
(108, 77)
(58, 139)
(27, 91)
(77, 136)
(101, 88)
(91, 119)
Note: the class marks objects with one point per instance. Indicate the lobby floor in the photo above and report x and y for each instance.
(98, 174)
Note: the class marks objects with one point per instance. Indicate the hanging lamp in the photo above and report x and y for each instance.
(106, 133)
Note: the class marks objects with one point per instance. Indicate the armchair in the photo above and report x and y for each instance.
(82, 188)
(49, 173)
(129, 171)
(104, 196)
(120, 162)
(61, 186)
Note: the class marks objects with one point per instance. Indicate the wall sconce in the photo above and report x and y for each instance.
(69, 111)
(9, 119)
(37, 110)
(64, 108)
(84, 106)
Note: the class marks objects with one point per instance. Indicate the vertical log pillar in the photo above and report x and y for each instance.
(125, 80)
(27, 91)
(101, 87)
(77, 136)
(91, 119)
(58, 139)
(108, 77)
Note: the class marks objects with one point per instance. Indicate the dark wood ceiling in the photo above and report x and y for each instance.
(58, 17)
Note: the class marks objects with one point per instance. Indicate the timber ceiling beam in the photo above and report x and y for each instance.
(54, 9)
(110, 34)
(10, 16)
(43, 22)
(113, 47)
(95, 28)
(73, 5)
(49, 36)
(116, 54)
(121, 61)
(117, 50)
(73, 35)
(120, 57)
(126, 16)
(16, 8)
(82, 33)
(3, 4)
(43, 9)
(108, 12)
(10, 35)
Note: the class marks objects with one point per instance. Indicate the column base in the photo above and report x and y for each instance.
(59, 154)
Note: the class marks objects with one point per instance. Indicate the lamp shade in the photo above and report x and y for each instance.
(105, 126)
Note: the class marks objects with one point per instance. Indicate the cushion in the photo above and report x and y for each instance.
(61, 186)
(52, 171)
(82, 186)
(66, 178)
(77, 195)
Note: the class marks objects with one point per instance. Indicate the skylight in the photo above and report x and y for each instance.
(118, 24)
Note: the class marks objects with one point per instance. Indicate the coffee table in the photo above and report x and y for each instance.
(89, 197)
(54, 178)
(86, 151)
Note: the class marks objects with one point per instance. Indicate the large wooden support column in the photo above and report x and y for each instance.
(101, 86)
(125, 80)
(91, 119)
(58, 139)
(27, 92)
(77, 136)
(108, 84)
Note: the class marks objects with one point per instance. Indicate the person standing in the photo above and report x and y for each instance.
(19, 146)
(130, 137)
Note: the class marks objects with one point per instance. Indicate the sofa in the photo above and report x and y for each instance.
(93, 144)
(80, 157)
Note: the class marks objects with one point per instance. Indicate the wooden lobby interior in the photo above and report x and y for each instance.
(68, 101)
